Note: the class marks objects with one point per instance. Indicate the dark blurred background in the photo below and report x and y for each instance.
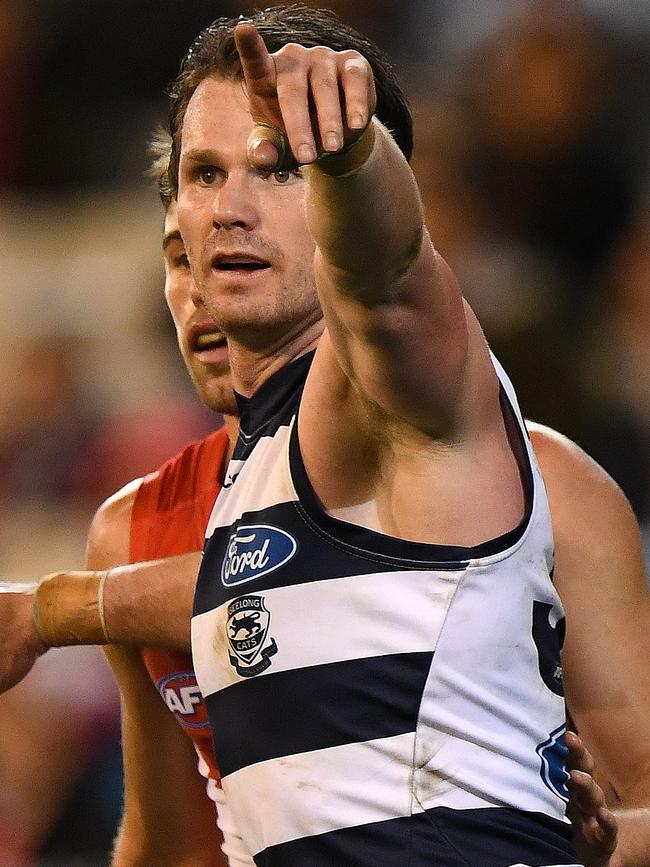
(532, 132)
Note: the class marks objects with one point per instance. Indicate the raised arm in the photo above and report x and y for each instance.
(600, 577)
(394, 312)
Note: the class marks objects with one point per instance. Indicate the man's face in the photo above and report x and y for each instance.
(202, 345)
(245, 231)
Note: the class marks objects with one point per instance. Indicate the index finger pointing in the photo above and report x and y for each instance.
(257, 63)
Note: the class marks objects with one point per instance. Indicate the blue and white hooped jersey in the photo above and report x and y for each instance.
(377, 702)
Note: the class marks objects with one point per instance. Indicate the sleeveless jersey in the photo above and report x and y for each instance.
(378, 702)
(169, 517)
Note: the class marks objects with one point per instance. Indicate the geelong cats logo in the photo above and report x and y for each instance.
(254, 550)
(247, 626)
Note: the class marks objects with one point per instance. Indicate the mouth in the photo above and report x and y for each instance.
(205, 338)
(239, 264)
(213, 340)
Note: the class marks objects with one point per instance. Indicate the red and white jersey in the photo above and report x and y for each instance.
(169, 517)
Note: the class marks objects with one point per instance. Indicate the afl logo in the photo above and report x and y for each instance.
(254, 550)
(248, 627)
(182, 695)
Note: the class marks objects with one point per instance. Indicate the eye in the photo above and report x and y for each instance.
(207, 174)
(286, 177)
(182, 261)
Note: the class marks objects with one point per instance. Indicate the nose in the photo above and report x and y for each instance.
(195, 296)
(234, 203)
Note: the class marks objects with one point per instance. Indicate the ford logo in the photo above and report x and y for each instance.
(255, 550)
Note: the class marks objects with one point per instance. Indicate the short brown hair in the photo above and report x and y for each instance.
(214, 52)
(160, 148)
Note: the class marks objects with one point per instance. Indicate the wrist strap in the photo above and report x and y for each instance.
(340, 164)
(69, 609)
(352, 158)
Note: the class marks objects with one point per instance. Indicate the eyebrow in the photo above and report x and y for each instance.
(201, 155)
(170, 237)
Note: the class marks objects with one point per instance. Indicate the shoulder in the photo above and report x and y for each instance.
(595, 530)
(184, 476)
(177, 481)
(557, 454)
(110, 530)
(573, 479)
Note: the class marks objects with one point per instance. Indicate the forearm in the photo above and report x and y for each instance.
(130, 851)
(168, 819)
(392, 305)
(367, 220)
(151, 603)
(134, 847)
(632, 811)
(141, 604)
(633, 849)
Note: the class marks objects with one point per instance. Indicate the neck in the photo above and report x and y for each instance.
(231, 423)
(251, 368)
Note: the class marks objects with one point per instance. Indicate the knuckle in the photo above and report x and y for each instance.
(354, 60)
(321, 52)
(356, 66)
(293, 55)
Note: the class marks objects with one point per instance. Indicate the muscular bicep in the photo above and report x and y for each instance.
(408, 355)
(168, 818)
(600, 577)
